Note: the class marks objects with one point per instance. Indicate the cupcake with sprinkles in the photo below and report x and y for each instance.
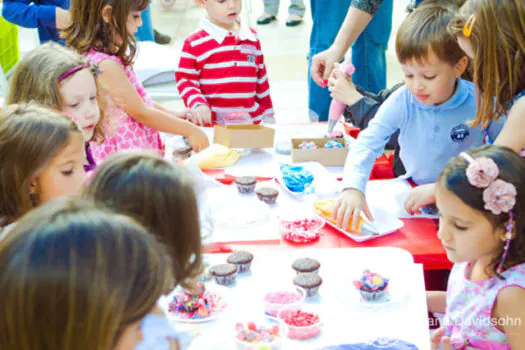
(372, 286)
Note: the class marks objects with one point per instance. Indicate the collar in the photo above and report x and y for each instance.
(463, 91)
(219, 34)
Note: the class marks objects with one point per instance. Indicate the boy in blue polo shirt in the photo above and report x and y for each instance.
(432, 112)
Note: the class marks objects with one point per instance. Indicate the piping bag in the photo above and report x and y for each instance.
(337, 107)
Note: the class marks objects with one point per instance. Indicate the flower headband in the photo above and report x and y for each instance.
(499, 196)
(94, 69)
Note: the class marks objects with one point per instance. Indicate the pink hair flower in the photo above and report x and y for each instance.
(481, 172)
(500, 197)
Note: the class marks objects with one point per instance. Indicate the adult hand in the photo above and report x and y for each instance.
(323, 64)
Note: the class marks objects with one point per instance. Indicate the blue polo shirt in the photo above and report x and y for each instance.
(429, 135)
(35, 14)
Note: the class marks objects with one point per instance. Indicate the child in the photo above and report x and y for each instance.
(73, 276)
(160, 196)
(221, 71)
(103, 31)
(58, 78)
(481, 199)
(41, 157)
(492, 33)
(431, 112)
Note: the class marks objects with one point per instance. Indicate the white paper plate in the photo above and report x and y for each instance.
(325, 184)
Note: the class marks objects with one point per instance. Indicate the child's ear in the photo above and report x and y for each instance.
(107, 13)
(461, 66)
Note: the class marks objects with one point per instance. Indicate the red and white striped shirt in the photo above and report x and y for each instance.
(225, 72)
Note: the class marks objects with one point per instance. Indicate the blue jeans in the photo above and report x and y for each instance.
(145, 32)
(368, 51)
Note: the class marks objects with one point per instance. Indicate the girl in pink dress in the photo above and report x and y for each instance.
(481, 199)
(102, 30)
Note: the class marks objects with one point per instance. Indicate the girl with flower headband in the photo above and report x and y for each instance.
(492, 34)
(481, 199)
(102, 31)
(58, 78)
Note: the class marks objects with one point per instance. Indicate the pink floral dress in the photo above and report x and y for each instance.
(124, 132)
(469, 320)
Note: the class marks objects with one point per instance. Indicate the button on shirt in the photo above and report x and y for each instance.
(429, 135)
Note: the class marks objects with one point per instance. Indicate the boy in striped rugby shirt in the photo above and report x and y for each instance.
(221, 73)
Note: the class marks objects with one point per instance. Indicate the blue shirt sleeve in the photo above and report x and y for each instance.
(371, 141)
(25, 13)
(493, 130)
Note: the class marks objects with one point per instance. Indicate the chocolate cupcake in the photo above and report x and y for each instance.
(182, 152)
(306, 265)
(245, 184)
(310, 282)
(224, 274)
(372, 286)
(241, 259)
(267, 195)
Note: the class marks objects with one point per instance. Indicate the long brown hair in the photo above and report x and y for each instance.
(498, 41)
(36, 78)
(160, 196)
(73, 276)
(88, 30)
(512, 170)
(30, 136)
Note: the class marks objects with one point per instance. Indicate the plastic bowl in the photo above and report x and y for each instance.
(272, 307)
(266, 322)
(301, 333)
(304, 229)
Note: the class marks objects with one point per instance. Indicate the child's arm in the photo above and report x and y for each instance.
(509, 136)
(437, 301)
(369, 146)
(183, 113)
(263, 88)
(187, 77)
(26, 13)
(114, 80)
(510, 310)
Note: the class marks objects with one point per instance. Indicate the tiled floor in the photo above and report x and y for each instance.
(285, 50)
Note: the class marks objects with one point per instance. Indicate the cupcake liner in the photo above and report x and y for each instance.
(310, 292)
(241, 268)
(225, 280)
(245, 189)
(374, 296)
(267, 199)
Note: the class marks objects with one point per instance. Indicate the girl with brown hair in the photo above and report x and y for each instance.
(73, 276)
(41, 158)
(102, 31)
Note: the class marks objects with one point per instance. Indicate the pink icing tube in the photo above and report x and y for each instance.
(337, 107)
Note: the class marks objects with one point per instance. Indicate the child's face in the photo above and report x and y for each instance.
(64, 175)
(466, 46)
(223, 13)
(466, 234)
(79, 99)
(134, 22)
(432, 81)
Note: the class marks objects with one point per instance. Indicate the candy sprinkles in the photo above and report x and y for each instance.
(194, 307)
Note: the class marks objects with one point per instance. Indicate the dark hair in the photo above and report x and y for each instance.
(73, 276)
(412, 5)
(512, 170)
(425, 30)
(30, 136)
(88, 30)
(159, 195)
(498, 42)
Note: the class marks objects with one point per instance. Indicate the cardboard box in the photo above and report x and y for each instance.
(244, 136)
(325, 156)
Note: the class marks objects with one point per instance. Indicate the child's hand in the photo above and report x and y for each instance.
(198, 139)
(182, 114)
(201, 115)
(419, 197)
(62, 18)
(342, 88)
(438, 339)
(349, 205)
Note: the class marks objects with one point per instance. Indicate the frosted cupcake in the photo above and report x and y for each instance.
(372, 286)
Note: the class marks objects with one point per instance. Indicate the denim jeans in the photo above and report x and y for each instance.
(368, 52)
(145, 32)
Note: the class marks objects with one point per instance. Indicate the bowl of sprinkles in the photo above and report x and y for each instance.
(303, 322)
(276, 299)
(301, 230)
(194, 307)
(260, 333)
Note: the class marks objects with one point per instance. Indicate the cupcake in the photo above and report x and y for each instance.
(182, 152)
(371, 286)
(192, 299)
(306, 265)
(224, 274)
(267, 195)
(245, 184)
(310, 282)
(241, 259)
